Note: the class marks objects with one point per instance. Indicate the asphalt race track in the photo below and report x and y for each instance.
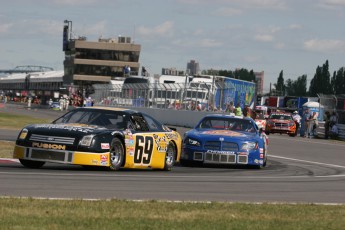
(299, 170)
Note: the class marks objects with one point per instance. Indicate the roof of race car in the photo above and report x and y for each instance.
(227, 116)
(281, 113)
(110, 108)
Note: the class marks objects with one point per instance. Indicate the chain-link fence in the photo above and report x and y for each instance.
(158, 95)
(334, 103)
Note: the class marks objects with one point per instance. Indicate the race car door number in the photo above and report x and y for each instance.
(143, 150)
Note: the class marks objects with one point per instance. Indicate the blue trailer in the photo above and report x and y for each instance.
(236, 91)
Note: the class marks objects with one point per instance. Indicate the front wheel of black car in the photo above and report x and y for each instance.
(32, 164)
(117, 154)
(170, 157)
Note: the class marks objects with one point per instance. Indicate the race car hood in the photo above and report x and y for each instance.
(74, 129)
(280, 121)
(216, 134)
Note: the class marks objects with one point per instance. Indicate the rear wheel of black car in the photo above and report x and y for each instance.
(117, 154)
(32, 164)
(170, 157)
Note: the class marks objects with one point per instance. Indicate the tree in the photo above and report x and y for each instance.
(300, 86)
(338, 81)
(289, 89)
(296, 88)
(280, 86)
(321, 81)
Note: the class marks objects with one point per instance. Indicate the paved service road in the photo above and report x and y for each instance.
(299, 170)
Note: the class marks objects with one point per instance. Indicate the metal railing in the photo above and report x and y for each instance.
(157, 95)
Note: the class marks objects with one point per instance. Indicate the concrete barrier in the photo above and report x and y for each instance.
(182, 118)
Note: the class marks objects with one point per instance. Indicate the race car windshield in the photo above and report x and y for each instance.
(111, 119)
(280, 117)
(228, 124)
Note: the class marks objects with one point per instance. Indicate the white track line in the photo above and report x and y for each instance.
(309, 162)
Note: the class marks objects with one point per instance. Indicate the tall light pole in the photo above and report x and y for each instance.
(69, 24)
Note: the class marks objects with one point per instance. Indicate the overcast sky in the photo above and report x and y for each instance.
(295, 36)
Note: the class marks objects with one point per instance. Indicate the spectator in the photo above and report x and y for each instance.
(333, 119)
(198, 106)
(305, 123)
(312, 124)
(230, 108)
(246, 112)
(297, 119)
(50, 102)
(238, 110)
(334, 132)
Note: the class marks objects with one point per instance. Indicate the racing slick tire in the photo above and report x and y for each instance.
(117, 154)
(170, 156)
(32, 164)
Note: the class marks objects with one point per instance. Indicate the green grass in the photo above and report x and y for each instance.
(6, 149)
(14, 121)
(28, 213)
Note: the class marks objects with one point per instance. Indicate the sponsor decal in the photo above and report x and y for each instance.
(220, 152)
(256, 161)
(104, 159)
(48, 146)
(131, 151)
(172, 136)
(105, 146)
(116, 132)
(224, 133)
(68, 127)
(161, 142)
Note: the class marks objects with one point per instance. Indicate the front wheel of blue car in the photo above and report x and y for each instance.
(117, 154)
(32, 164)
(170, 157)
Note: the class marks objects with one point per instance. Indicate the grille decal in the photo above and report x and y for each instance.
(52, 139)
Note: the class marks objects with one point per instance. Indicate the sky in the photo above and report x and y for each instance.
(293, 36)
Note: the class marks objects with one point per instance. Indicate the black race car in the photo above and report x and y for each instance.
(100, 136)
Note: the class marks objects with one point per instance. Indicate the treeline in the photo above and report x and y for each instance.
(321, 83)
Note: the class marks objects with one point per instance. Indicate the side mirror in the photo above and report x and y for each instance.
(172, 128)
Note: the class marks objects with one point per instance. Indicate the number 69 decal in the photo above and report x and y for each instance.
(143, 150)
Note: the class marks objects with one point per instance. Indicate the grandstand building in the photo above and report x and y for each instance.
(86, 63)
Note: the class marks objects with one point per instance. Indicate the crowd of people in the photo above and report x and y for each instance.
(310, 124)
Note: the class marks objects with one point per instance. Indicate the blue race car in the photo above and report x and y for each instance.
(225, 140)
